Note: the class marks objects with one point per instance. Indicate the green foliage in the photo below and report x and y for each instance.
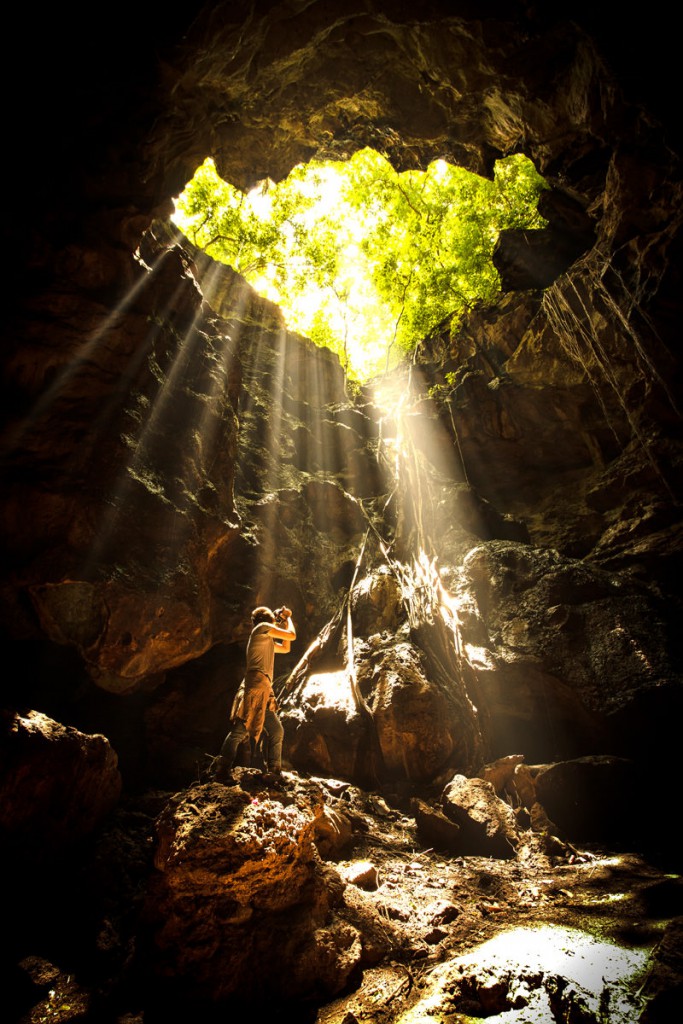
(363, 259)
(443, 391)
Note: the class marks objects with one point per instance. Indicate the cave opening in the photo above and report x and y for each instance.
(360, 257)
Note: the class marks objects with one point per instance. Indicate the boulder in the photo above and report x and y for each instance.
(594, 798)
(487, 823)
(57, 785)
(435, 829)
(241, 902)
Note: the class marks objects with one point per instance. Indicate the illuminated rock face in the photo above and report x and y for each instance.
(238, 877)
(172, 456)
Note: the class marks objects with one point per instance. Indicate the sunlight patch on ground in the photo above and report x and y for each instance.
(514, 976)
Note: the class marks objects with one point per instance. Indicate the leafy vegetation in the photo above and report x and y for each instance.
(359, 257)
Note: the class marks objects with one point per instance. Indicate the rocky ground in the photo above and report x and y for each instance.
(554, 933)
(436, 909)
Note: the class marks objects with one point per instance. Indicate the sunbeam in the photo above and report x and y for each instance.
(74, 364)
(171, 436)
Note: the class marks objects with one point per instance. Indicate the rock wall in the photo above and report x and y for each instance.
(172, 455)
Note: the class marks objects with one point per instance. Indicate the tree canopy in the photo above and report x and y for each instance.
(361, 258)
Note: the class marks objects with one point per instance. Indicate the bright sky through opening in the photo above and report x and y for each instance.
(360, 258)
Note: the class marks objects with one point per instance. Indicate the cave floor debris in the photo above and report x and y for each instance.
(584, 927)
(580, 926)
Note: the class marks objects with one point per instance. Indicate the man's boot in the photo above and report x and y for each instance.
(222, 771)
(273, 778)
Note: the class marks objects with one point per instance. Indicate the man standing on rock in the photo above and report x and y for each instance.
(255, 709)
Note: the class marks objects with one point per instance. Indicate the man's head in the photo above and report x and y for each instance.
(262, 614)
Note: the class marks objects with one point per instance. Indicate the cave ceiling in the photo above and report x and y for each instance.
(262, 87)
